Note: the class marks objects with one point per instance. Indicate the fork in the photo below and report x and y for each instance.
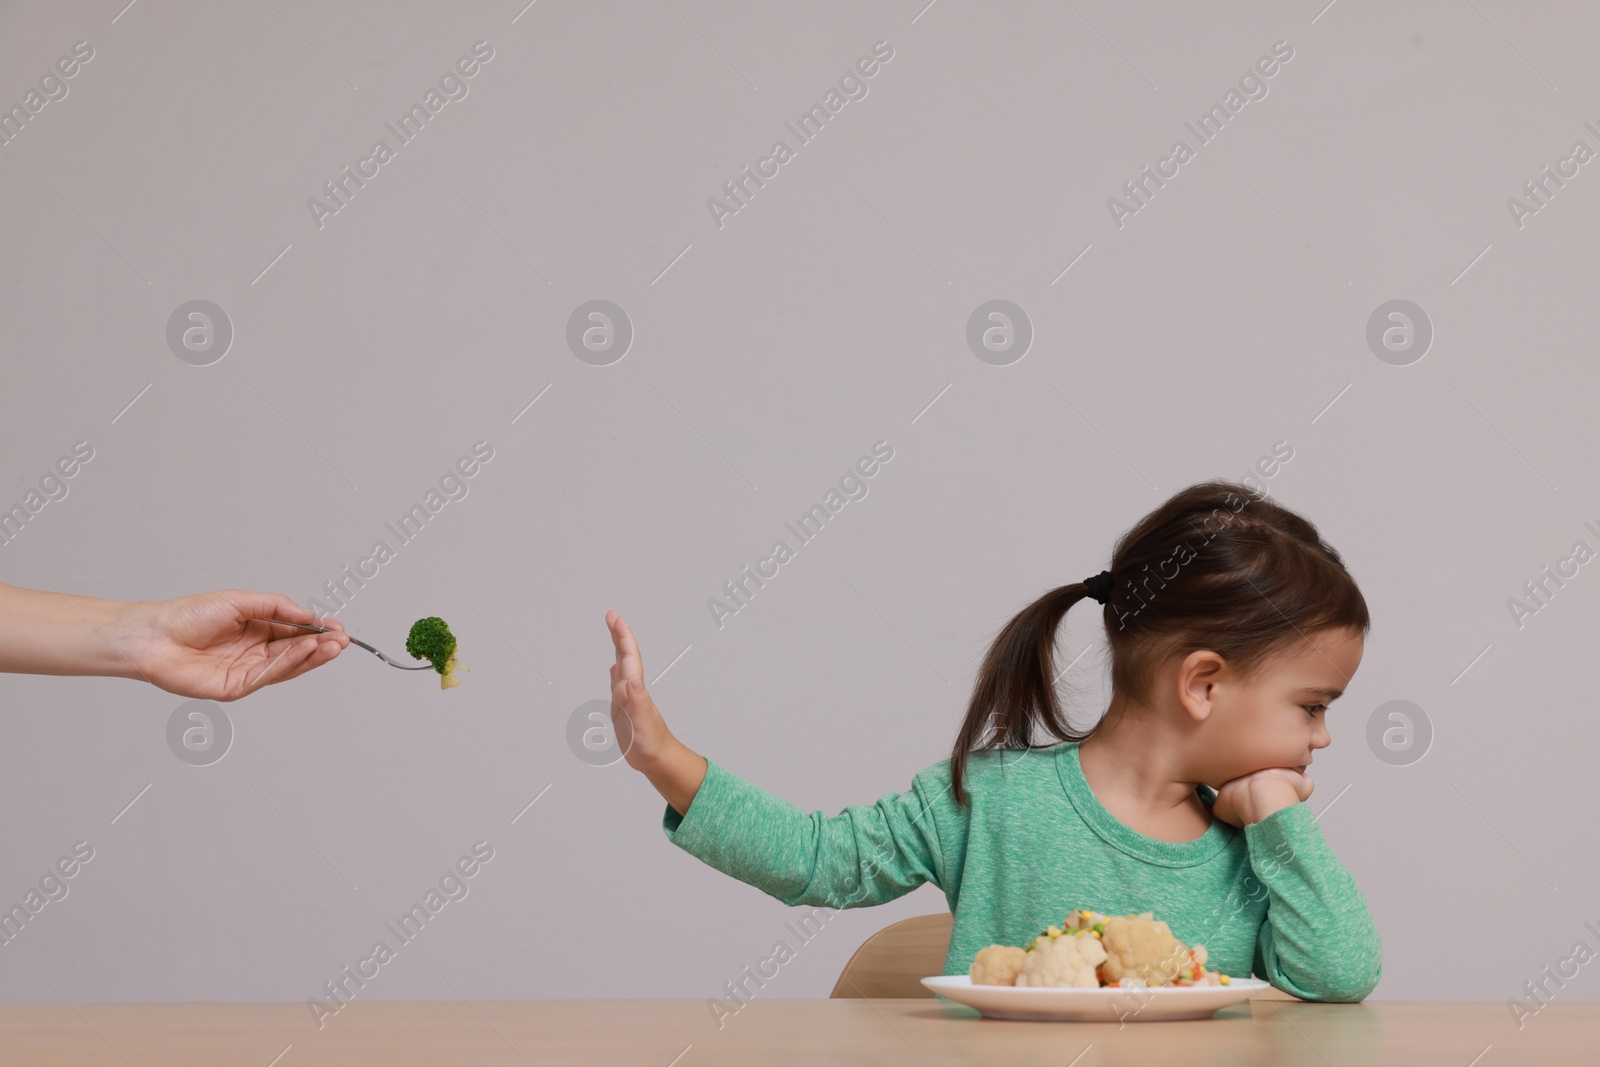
(353, 641)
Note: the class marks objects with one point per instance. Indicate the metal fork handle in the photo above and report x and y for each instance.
(353, 641)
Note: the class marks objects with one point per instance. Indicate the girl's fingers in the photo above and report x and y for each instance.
(630, 709)
(629, 665)
(1301, 782)
(630, 694)
(628, 657)
(620, 694)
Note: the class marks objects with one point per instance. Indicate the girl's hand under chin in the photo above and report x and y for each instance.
(1252, 797)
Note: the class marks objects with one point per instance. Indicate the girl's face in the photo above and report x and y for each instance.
(1277, 718)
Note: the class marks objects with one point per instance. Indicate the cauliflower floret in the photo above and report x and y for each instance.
(997, 965)
(1142, 946)
(1068, 961)
(1129, 951)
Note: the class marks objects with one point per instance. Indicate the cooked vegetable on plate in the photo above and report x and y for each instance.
(1090, 950)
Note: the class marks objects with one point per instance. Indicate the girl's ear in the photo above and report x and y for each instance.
(1198, 676)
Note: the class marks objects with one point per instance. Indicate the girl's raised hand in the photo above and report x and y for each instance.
(640, 730)
(1252, 797)
(646, 743)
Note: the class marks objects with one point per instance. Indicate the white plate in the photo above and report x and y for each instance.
(1044, 1004)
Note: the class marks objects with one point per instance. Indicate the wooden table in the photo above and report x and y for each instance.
(683, 1033)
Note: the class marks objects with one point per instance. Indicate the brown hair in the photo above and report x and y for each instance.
(1216, 567)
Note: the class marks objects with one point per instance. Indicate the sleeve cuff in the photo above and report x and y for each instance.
(1285, 824)
(710, 799)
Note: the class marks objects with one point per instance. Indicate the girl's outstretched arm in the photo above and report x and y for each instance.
(865, 855)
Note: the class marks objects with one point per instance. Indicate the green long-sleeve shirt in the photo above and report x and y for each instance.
(1271, 899)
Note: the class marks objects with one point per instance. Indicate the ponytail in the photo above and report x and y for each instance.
(1014, 701)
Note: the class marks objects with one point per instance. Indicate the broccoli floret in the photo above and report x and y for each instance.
(432, 640)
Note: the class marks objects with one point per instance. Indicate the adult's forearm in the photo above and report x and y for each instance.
(45, 632)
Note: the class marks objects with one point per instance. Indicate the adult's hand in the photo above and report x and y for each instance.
(202, 646)
(207, 645)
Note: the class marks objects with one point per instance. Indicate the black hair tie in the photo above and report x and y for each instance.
(1099, 586)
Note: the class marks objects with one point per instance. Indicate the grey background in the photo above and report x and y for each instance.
(1229, 314)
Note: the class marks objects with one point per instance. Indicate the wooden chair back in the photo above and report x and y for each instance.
(893, 961)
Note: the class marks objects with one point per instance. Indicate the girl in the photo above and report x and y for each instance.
(1232, 626)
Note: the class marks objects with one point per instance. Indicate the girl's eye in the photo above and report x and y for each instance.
(1312, 709)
